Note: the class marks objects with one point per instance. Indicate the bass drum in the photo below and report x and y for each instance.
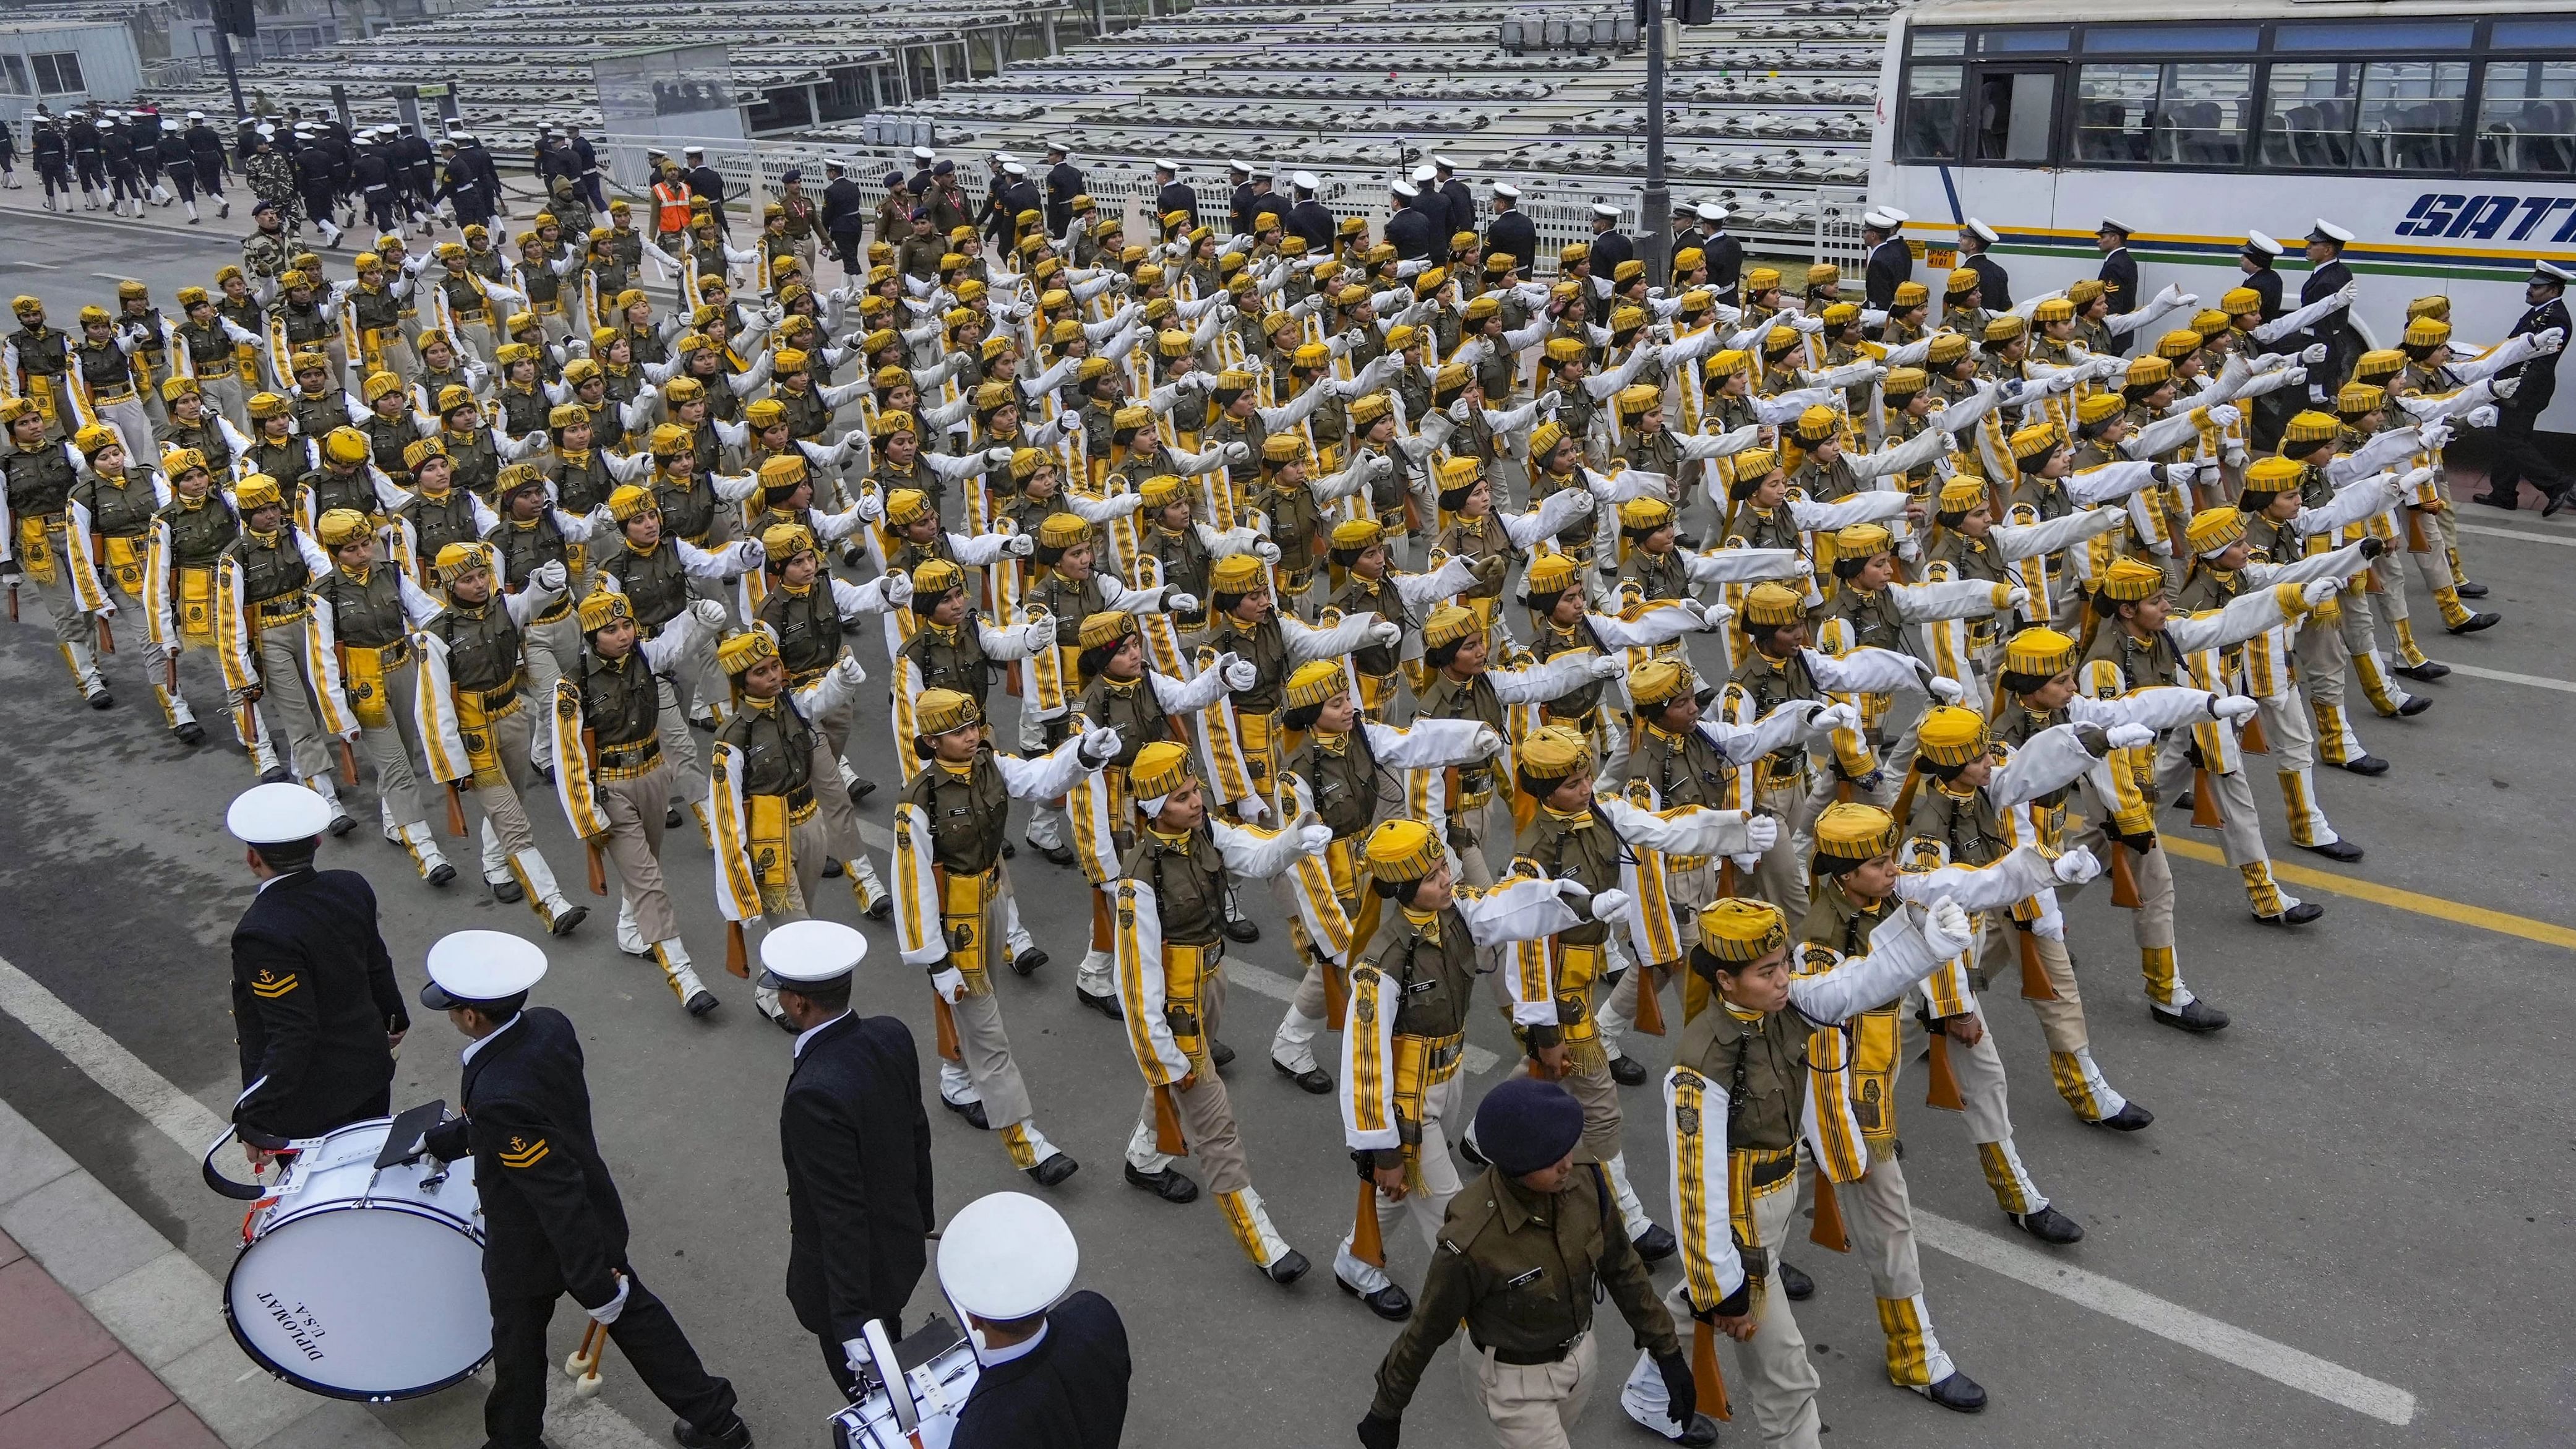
(361, 1277)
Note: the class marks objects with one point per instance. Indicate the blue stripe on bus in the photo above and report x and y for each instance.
(1950, 188)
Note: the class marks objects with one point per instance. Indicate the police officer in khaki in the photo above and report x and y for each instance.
(1524, 1253)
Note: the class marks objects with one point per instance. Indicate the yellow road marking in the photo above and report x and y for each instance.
(2423, 905)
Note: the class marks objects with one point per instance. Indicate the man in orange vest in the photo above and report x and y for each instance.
(670, 209)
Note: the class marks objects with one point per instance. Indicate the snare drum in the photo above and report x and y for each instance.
(933, 1369)
(361, 1281)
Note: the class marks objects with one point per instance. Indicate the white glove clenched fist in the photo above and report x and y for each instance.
(2224, 415)
(1314, 838)
(1240, 673)
(1606, 904)
(1019, 545)
(997, 457)
(1603, 666)
(1384, 633)
(1238, 453)
(950, 984)
(2317, 591)
(2077, 866)
(1266, 551)
(1836, 717)
(1944, 689)
(1100, 745)
(1179, 602)
(2128, 736)
(2239, 706)
(1761, 832)
(850, 670)
(1946, 929)
(549, 576)
(898, 587)
(2017, 598)
(1488, 743)
(708, 612)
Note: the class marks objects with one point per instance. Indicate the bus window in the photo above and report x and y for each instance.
(2014, 112)
(2115, 112)
(2410, 114)
(2202, 119)
(2527, 119)
(1929, 130)
(2307, 119)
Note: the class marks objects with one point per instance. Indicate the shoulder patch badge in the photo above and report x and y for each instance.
(522, 1153)
(268, 985)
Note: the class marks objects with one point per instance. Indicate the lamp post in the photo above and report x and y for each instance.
(1658, 200)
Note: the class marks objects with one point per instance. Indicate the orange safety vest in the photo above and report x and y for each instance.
(671, 206)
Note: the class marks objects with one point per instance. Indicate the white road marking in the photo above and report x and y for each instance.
(182, 1118)
(2223, 1341)
(2536, 681)
(113, 277)
(2526, 535)
(572, 1423)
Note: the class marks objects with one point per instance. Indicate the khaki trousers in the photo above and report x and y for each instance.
(392, 746)
(2240, 833)
(286, 697)
(1532, 1406)
(1781, 876)
(1206, 1112)
(553, 650)
(499, 798)
(634, 808)
(2151, 924)
(1777, 1375)
(1428, 1206)
(1880, 1213)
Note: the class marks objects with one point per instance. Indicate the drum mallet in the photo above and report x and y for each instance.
(583, 1367)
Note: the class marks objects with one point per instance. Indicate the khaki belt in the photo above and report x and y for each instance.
(628, 762)
(281, 609)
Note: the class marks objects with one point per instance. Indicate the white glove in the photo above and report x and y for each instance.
(1249, 809)
(2314, 353)
(1379, 466)
(2434, 437)
(950, 984)
(2077, 866)
(999, 457)
(549, 576)
(1584, 503)
(2110, 367)
(2348, 293)
(2129, 736)
(2238, 706)
(1488, 743)
(2506, 387)
(1713, 617)
(2316, 392)
(708, 612)
(854, 1355)
(1315, 837)
(1608, 904)
(2549, 339)
(2296, 375)
(2224, 415)
(606, 1313)
(1070, 424)
(1180, 603)
(2179, 472)
(2050, 927)
(2317, 591)
(1946, 929)
(898, 587)
(1099, 745)
(1944, 688)
(1266, 551)
(1761, 832)
(1804, 323)
(2415, 478)
(1239, 673)
(1460, 410)
(1019, 545)
(1835, 717)
(2483, 416)
(1037, 635)
(2235, 457)
(2017, 598)
(871, 504)
(850, 670)
(1384, 634)
(1551, 401)
(1605, 666)
(1238, 453)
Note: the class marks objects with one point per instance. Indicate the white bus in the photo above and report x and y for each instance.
(2441, 133)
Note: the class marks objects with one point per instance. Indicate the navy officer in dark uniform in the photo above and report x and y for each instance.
(1976, 239)
(2119, 272)
(315, 1007)
(1889, 262)
(1173, 194)
(2517, 454)
(552, 1220)
(857, 1147)
(1063, 184)
(2327, 275)
(1053, 1369)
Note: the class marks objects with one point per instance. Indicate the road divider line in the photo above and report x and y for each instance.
(2526, 535)
(2223, 1341)
(2507, 676)
(2500, 922)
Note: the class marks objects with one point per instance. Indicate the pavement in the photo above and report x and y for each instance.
(2341, 1230)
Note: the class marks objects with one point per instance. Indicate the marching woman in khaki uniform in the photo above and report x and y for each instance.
(610, 775)
(366, 675)
(111, 507)
(948, 835)
(187, 545)
(1354, 772)
(1168, 902)
(36, 545)
(1736, 1104)
(475, 724)
(1412, 984)
(263, 627)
